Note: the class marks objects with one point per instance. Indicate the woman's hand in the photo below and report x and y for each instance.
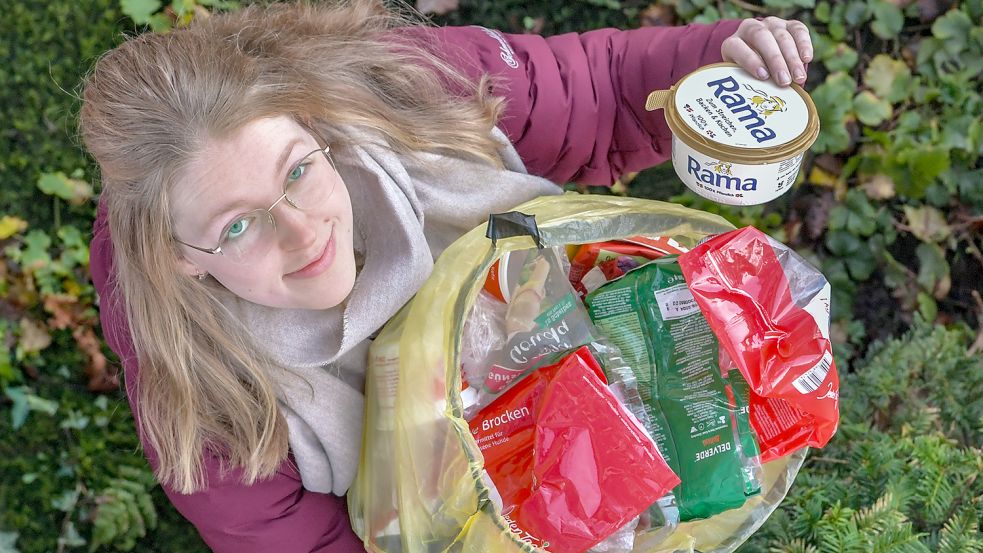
(771, 47)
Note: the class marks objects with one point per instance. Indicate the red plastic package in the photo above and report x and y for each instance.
(605, 261)
(770, 311)
(571, 464)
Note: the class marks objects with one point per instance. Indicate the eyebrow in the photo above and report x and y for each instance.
(277, 171)
(284, 155)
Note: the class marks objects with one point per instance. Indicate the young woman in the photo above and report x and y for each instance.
(277, 183)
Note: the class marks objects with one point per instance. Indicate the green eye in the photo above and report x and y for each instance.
(298, 171)
(237, 229)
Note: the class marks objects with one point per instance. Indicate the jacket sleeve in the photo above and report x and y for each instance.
(277, 514)
(576, 102)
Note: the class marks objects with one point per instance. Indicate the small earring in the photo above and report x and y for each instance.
(201, 276)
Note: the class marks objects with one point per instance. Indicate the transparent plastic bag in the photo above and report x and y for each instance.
(421, 485)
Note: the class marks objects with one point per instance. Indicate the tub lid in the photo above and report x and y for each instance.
(728, 106)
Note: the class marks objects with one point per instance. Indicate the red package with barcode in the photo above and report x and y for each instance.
(770, 311)
(570, 463)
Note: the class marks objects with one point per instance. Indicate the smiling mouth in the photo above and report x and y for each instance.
(320, 263)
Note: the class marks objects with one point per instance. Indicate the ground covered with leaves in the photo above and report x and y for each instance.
(890, 207)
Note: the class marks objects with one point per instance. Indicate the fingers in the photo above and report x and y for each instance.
(772, 47)
(762, 38)
(803, 40)
(736, 50)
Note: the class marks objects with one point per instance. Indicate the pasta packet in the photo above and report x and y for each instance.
(542, 316)
(651, 317)
(560, 416)
(770, 309)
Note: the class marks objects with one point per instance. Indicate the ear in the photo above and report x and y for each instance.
(188, 267)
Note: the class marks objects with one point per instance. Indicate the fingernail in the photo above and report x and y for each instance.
(762, 73)
(783, 77)
(800, 75)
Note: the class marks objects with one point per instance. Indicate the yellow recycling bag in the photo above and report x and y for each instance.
(421, 486)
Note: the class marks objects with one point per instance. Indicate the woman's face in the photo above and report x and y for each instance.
(307, 262)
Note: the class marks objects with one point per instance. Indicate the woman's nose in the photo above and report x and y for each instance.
(293, 227)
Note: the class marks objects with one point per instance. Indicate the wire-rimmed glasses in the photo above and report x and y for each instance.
(250, 235)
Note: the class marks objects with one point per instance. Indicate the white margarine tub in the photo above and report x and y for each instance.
(736, 139)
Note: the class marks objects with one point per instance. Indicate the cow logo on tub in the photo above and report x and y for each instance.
(721, 167)
(751, 112)
(765, 104)
(720, 175)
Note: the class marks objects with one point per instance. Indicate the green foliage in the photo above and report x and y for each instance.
(47, 47)
(177, 13)
(125, 510)
(897, 90)
(888, 205)
(902, 474)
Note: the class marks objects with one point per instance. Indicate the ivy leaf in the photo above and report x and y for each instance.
(76, 251)
(927, 223)
(140, 11)
(888, 78)
(857, 12)
(888, 20)
(953, 30)
(842, 243)
(870, 109)
(861, 266)
(836, 27)
(842, 58)
(834, 102)
(927, 307)
(962, 133)
(821, 13)
(933, 270)
(58, 184)
(10, 226)
(922, 164)
(35, 253)
(895, 273)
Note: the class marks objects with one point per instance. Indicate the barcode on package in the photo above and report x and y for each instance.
(814, 377)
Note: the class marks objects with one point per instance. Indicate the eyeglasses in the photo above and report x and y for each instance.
(249, 236)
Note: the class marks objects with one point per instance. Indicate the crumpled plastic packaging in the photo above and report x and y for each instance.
(572, 466)
(422, 485)
(770, 310)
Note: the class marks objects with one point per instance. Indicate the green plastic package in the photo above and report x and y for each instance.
(652, 317)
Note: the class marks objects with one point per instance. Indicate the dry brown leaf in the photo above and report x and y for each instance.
(34, 336)
(927, 223)
(102, 378)
(657, 15)
(880, 187)
(816, 216)
(436, 7)
(64, 310)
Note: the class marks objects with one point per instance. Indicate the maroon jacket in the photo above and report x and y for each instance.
(575, 112)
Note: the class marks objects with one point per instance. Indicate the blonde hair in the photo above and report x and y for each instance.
(150, 104)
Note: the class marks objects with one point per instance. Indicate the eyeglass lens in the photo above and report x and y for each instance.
(308, 186)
